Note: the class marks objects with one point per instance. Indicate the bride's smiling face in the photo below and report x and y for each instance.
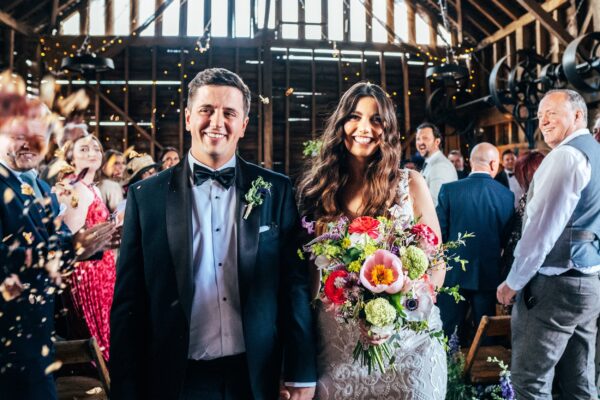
(363, 129)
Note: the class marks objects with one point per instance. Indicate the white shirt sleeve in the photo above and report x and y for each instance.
(557, 187)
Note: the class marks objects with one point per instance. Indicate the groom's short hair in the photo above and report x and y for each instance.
(219, 77)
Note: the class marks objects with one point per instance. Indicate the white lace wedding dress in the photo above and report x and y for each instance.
(421, 370)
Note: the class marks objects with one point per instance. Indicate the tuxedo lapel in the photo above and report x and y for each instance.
(179, 232)
(247, 237)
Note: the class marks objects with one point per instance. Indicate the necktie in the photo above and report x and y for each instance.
(29, 178)
(225, 177)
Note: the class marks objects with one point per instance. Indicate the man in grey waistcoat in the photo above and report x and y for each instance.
(555, 274)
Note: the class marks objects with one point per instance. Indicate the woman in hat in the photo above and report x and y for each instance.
(91, 284)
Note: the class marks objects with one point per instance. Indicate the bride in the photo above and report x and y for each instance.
(357, 174)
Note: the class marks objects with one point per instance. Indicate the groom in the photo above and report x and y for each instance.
(211, 300)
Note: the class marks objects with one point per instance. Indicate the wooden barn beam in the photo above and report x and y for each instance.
(153, 100)
(11, 49)
(458, 25)
(268, 108)
(158, 24)
(459, 20)
(406, 104)
(389, 21)
(412, 25)
(368, 4)
(126, 117)
(12, 5)
(595, 6)
(84, 18)
(182, 96)
(547, 21)
(54, 15)
(15, 25)
(125, 139)
(485, 13)
(286, 137)
(588, 20)
(500, 4)
(526, 19)
(134, 15)
(109, 17)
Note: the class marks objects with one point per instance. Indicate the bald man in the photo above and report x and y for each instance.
(481, 205)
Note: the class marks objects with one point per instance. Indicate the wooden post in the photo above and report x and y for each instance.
(286, 138)
(97, 108)
(126, 99)
(183, 17)
(230, 18)
(368, 20)
(362, 65)
(389, 21)
(406, 101)
(594, 6)
(182, 96)
(555, 42)
(346, 21)
(158, 24)
(11, 49)
(313, 100)
(572, 27)
(268, 108)
(432, 33)
(301, 21)
(260, 119)
(382, 72)
(134, 11)
(153, 100)
(109, 14)
(459, 21)
(412, 27)
(208, 13)
(84, 18)
(340, 79)
(324, 19)
(54, 15)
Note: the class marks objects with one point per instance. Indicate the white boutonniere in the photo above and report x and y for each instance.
(256, 195)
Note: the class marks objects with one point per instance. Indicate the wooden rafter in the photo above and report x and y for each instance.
(485, 13)
(123, 115)
(12, 5)
(500, 4)
(548, 6)
(14, 24)
(547, 21)
(457, 23)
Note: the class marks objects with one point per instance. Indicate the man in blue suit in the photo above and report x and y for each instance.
(32, 236)
(480, 205)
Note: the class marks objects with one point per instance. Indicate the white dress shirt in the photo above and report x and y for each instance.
(216, 320)
(552, 198)
(437, 171)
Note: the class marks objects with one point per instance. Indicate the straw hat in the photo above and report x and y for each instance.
(136, 165)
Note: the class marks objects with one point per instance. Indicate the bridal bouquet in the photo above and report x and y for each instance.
(375, 273)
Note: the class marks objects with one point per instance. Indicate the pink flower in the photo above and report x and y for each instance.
(382, 272)
(365, 225)
(424, 232)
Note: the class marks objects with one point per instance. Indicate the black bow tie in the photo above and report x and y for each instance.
(225, 177)
(510, 174)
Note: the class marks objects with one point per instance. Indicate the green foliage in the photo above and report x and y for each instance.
(312, 148)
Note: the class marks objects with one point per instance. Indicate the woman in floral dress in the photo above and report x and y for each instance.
(92, 283)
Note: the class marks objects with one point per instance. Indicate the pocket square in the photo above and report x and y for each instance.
(264, 228)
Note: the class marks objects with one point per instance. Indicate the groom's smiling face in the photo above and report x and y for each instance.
(216, 121)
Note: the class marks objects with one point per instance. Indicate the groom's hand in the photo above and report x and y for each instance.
(301, 393)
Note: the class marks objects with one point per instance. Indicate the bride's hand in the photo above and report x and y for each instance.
(371, 338)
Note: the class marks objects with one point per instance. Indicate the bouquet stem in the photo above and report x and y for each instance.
(378, 356)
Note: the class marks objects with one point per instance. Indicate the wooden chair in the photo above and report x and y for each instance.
(477, 368)
(82, 387)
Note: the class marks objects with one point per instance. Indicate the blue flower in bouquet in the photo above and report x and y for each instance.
(414, 261)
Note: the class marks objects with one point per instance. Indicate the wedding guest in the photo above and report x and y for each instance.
(357, 174)
(169, 158)
(92, 283)
(32, 234)
(507, 175)
(480, 205)
(110, 184)
(437, 170)
(75, 127)
(525, 167)
(457, 159)
(211, 301)
(596, 128)
(557, 264)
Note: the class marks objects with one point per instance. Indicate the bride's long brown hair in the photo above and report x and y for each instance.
(320, 188)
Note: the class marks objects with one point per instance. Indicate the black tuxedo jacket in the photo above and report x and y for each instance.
(480, 205)
(502, 177)
(27, 322)
(150, 317)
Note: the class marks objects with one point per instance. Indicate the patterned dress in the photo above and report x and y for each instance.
(93, 282)
(421, 370)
